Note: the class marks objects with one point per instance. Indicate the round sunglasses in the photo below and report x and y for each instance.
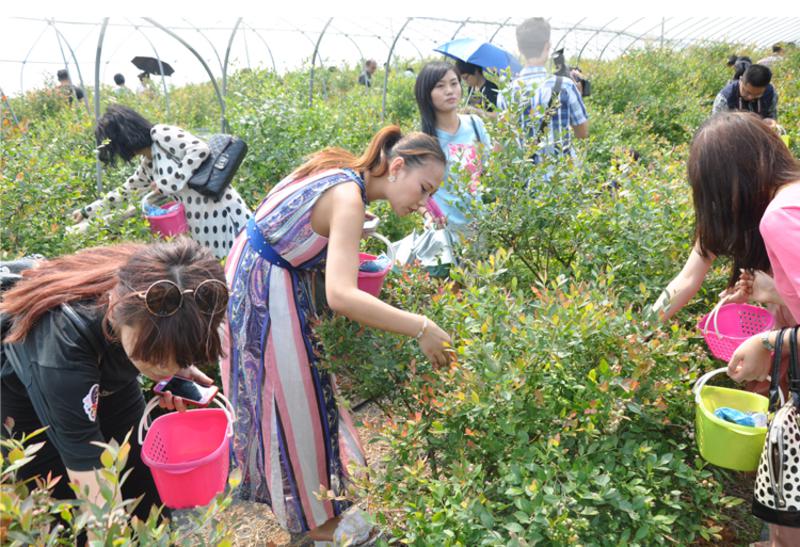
(164, 298)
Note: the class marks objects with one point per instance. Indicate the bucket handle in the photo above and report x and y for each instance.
(703, 380)
(220, 400)
(146, 200)
(713, 317)
(389, 248)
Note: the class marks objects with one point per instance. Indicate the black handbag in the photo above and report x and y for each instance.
(776, 495)
(214, 175)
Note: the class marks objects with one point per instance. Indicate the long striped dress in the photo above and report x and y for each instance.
(290, 439)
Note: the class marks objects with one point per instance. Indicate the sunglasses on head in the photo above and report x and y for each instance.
(164, 298)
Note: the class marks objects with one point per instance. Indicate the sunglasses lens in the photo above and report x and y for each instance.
(211, 296)
(163, 298)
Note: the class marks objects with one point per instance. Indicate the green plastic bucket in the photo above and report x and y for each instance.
(722, 443)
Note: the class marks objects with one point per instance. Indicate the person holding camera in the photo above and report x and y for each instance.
(78, 331)
(552, 107)
(169, 157)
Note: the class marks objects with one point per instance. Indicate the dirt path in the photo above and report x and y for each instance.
(254, 524)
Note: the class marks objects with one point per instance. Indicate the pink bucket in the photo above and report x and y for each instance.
(372, 282)
(169, 224)
(726, 327)
(188, 453)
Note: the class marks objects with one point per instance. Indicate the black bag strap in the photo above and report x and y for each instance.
(475, 128)
(775, 380)
(548, 113)
(794, 367)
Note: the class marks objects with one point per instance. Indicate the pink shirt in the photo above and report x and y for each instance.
(780, 228)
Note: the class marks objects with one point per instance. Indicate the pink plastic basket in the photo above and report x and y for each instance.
(372, 282)
(188, 453)
(169, 224)
(726, 327)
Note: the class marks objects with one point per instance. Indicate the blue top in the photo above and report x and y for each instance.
(461, 148)
(533, 88)
(729, 100)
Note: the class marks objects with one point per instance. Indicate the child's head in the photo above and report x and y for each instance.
(437, 90)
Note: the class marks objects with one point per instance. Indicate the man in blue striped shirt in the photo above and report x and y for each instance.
(531, 90)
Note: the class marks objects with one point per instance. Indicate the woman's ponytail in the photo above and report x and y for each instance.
(387, 144)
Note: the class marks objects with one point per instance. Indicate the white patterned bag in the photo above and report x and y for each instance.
(776, 496)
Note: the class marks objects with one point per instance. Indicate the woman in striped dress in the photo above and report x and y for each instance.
(296, 262)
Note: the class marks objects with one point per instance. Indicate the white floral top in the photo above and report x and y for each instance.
(214, 224)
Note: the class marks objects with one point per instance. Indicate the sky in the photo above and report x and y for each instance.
(284, 40)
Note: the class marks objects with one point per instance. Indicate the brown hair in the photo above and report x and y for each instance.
(387, 144)
(736, 164)
(188, 336)
(532, 35)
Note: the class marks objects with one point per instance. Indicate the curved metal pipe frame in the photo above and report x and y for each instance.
(598, 31)
(464, 22)
(25, 60)
(98, 54)
(210, 43)
(388, 64)
(617, 35)
(160, 68)
(564, 37)
(313, 58)
(500, 27)
(637, 38)
(220, 98)
(113, 53)
(266, 45)
(227, 58)
(63, 38)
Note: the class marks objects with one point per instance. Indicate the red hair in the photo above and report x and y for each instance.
(189, 336)
(387, 144)
(87, 275)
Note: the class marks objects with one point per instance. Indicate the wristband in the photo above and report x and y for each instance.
(422, 330)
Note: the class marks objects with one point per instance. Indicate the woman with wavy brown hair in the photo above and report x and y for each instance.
(77, 332)
(297, 261)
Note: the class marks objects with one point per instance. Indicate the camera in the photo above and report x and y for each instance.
(574, 73)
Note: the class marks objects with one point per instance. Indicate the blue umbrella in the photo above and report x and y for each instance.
(483, 54)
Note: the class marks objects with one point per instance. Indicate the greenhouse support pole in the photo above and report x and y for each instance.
(266, 45)
(637, 38)
(210, 43)
(313, 59)
(563, 38)
(499, 28)
(160, 67)
(98, 163)
(227, 58)
(616, 35)
(464, 22)
(586, 43)
(25, 60)
(388, 64)
(61, 37)
(220, 98)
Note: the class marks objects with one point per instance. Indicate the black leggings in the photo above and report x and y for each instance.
(120, 413)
